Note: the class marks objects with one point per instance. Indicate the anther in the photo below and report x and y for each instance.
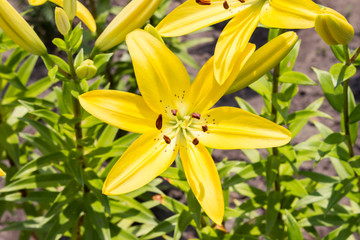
(174, 111)
(226, 5)
(203, 2)
(204, 128)
(195, 141)
(196, 115)
(158, 122)
(167, 139)
(242, 1)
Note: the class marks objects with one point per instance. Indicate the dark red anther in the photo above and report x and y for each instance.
(174, 111)
(204, 128)
(196, 115)
(167, 139)
(226, 5)
(158, 122)
(242, 1)
(203, 2)
(195, 141)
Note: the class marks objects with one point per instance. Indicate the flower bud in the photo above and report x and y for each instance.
(62, 21)
(133, 16)
(2, 173)
(264, 59)
(86, 70)
(333, 27)
(70, 8)
(15, 26)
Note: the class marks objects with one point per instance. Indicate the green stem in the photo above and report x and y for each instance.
(346, 106)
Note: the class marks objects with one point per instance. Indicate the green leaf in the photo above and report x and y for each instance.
(294, 231)
(52, 73)
(338, 51)
(96, 212)
(333, 95)
(296, 78)
(61, 63)
(75, 38)
(339, 191)
(288, 62)
(273, 210)
(107, 137)
(60, 44)
(183, 221)
(102, 59)
(318, 177)
(39, 163)
(164, 227)
(194, 207)
(355, 115)
(79, 58)
(340, 72)
(37, 181)
(245, 105)
(272, 166)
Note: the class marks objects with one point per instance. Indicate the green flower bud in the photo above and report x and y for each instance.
(70, 8)
(86, 70)
(333, 27)
(62, 21)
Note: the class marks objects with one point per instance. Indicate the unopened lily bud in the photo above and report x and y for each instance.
(333, 27)
(264, 59)
(70, 8)
(133, 16)
(15, 26)
(62, 21)
(86, 70)
(2, 173)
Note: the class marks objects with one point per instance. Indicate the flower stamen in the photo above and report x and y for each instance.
(196, 115)
(195, 141)
(174, 112)
(204, 128)
(167, 139)
(158, 122)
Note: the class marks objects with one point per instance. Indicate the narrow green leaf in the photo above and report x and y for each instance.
(339, 191)
(338, 51)
(273, 210)
(195, 208)
(37, 181)
(296, 78)
(355, 114)
(39, 163)
(340, 72)
(294, 231)
(245, 105)
(333, 95)
(183, 221)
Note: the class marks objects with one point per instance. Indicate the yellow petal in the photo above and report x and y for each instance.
(2, 173)
(145, 159)
(37, 2)
(81, 12)
(234, 128)
(162, 78)
(15, 26)
(233, 39)
(191, 16)
(205, 91)
(133, 16)
(203, 179)
(264, 59)
(121, 109)
(289, 14)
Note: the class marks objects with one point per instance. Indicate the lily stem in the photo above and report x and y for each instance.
(348, 62)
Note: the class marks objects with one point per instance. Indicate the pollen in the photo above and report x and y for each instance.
(195, 141)
(196, 115)
(174, 111)
(158, 122)
(203, 2)
(204, 128)
(167, 139)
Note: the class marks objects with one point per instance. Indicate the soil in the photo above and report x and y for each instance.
(314, 53)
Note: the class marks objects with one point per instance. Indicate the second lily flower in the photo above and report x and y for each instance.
(175, 116)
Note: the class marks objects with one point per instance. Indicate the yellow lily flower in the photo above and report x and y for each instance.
(174, 116)
(195, 14)
(81, 12)
(2, 173)
(133, 16)
(15, 26)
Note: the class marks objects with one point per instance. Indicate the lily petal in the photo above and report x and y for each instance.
(191, 16)
(121, 109)
(145, 159)
(2, 173)
(203, 178)
(162, 78)
(233, 39)
(205, 90)
(234, 128)
(264, 59)
(81, 11)
(289, 14)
